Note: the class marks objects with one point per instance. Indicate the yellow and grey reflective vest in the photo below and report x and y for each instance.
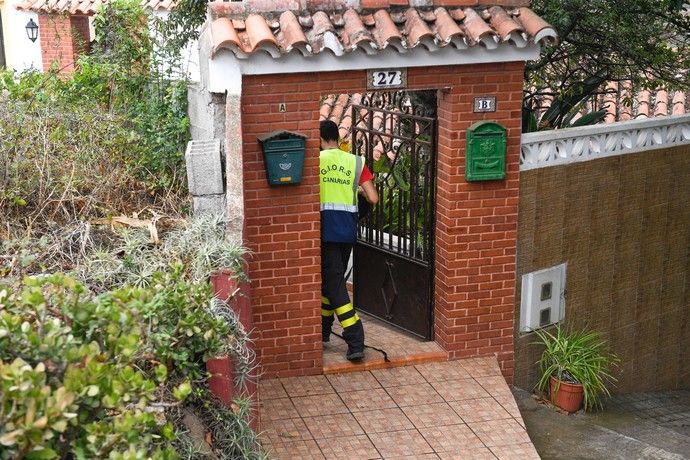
(339, 174)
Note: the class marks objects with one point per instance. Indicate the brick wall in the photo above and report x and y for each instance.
(476, 223)
(63, 38)
(621, 224)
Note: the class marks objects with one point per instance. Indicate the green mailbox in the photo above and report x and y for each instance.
(283, 157)
(486, 152)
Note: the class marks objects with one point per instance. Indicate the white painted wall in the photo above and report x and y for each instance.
(190, 55)
(20, 52)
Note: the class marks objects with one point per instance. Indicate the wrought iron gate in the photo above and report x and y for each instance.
(393, 256)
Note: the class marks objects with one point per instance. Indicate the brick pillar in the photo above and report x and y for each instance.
(63, 38)
(476, 222)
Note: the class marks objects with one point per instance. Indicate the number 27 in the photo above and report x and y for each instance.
(386, 78)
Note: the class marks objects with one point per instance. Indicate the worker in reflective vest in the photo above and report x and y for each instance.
(342, 177)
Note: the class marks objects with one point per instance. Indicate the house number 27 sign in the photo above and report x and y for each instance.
(386, 79)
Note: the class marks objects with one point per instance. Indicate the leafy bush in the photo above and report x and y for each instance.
(109, 376)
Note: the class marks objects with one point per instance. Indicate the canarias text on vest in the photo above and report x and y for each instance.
(336, 169)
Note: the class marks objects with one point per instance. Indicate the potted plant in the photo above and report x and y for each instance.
(575, 368)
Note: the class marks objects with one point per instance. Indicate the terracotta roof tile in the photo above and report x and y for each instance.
(661, 107)
(416, 29)
(535, 26)
(344, 29)
(622, 103)
(678, 104)
(224, 36)
(448, 30)
(257, 34)
(83, 7)
(386, 32)
(504, 24)
(355, 33)
(291, 34)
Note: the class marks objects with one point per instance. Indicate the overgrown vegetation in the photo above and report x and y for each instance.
(645, 43)
(107, 138)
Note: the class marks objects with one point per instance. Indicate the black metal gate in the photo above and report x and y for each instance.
(393, 257)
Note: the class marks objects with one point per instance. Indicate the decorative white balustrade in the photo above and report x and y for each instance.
(558, 147)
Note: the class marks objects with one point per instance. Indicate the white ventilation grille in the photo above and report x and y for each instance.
(204, 168)
(542, 298)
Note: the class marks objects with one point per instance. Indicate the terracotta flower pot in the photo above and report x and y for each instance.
(569, 396)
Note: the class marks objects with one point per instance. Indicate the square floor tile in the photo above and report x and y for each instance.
(481, 367)
(353, 381)
(451, 438)
(506, 432)
(397, 376)
(332, 426)
(440, 372)
(432, 415)
(383, 420)
(348, 448)
(314, 406)
(367, 399)
(509, 404)
(307, 386)
(414, 395)
(495, 385)
(525, 451)
(401, 443)
(457, 390)
(479, 410)
(416, 457)
(297, 450)
(285, 430)
(271, 389)
(277, 409)
(477, 453)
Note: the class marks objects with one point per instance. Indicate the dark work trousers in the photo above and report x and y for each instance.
(334, 296)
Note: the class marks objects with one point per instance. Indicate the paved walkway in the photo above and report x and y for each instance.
(451, 410)
(402, 348)
(642, 426)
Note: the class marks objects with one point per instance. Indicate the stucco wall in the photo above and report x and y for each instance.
(20, 52)
(623, 226)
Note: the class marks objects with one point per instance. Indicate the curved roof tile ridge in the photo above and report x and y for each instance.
(447, 29)
(386, 32)
(535, 26)
(291, 34)
(477, 29)
(347, 29)
(355, 33)
(416, 29)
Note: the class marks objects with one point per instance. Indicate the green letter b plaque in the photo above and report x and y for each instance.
(486, 152)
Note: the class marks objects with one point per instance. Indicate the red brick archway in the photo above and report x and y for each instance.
(476, 223)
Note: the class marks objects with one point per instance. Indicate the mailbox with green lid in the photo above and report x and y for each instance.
(283, 157)
(486, 152)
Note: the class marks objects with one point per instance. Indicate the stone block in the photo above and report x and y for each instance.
(204, 168)
(213, 204)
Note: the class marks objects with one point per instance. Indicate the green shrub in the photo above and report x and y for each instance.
(107, 376)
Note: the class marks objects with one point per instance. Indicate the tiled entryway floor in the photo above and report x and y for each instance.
(400, 346)
(450, 410)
